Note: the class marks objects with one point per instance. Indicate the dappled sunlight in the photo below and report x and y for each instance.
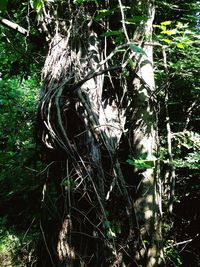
(64, 249)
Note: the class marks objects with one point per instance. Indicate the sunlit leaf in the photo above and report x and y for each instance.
(167, 41)
(141, 164)
(131, 63)
(168, 22)
(162, 27)
(102, 13)
(180, 45)
(170, 32)
(180, 25)
(38, 4)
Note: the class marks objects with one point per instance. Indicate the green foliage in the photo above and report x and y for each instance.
(14, 248)
(135, 19)
(38, 5)
(172, 255)
(112, 33)
(18, 109)
(19, 164)
(68, 182)
(17, 104)
(20, 56)
(178, 34)
(186, 150)
(104, 13)
(141, 163)
(3, 6)
(191, 161)
(112, 228)
(188, 140)
(80, 2)
(137, 49)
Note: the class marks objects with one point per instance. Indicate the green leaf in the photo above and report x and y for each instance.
(38, 4)
(168, 22)
(112, 33)
(137, 49)
(143, 156)
(180, 45)
(130, 162)
(102, 13)
(142, 162)
(167, 41)
(135, 19)
(131, 63)
(80, 2)
(180, 25)
(162, 27)
(170, 32)
(106, 224)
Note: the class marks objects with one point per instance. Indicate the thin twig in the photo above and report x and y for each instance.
(46, 245)
(123, 21)
(179, 243)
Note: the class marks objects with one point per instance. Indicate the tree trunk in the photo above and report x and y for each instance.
(145, 142)
(88, 217)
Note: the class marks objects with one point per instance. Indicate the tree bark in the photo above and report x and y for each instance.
(83, 124)
(145, 142)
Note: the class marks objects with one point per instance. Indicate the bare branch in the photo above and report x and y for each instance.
(123, 21)
(180, 243)
(14, 26)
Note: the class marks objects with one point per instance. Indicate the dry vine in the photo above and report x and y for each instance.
(79, 120)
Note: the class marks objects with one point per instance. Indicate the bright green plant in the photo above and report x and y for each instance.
(178, 34)
(172, 255)
(14, 247)
(19, 164)
(142, 162)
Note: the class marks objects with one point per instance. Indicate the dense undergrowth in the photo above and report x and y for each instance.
(20, 181)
